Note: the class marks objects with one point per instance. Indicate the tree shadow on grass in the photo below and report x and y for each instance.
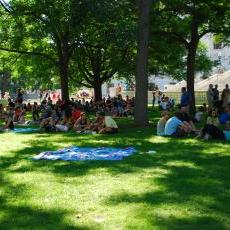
(190, 223)
(198, 180)
(196, 173)
(26, 217)
(168, 151)
(16, 215)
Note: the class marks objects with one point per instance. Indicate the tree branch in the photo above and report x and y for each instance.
(108, 76)
(5, 6)
(33, 53)
(84, 84)
(178, 37)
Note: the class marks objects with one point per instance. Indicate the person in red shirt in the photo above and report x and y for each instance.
(76, 113)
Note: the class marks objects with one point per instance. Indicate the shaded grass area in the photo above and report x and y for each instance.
(185, 185)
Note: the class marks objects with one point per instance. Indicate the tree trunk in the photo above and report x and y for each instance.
(64, 77)
(141, 94)
(97, 92)
(191, 78)
(63, 64)
(191, 61)
(64, 57)
(4, 83)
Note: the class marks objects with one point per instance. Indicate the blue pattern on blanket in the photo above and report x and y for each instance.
(24, 130)
(75, 153)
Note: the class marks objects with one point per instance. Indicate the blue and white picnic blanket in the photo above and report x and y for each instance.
(24, 130)
(75, 153)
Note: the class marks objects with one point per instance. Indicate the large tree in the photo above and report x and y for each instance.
(186, 22)
(61, 31)
(141, 93)
(45, 28)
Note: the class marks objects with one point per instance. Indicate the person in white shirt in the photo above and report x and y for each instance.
(199, 114)
(109, 125)
(161, 123)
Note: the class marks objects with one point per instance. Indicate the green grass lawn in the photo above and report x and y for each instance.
(185, 185)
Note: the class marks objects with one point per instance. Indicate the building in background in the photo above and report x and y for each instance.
(217, 52)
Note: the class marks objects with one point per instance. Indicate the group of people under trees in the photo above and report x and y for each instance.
(74, 115)
(216, 99)
(217, 125)
(62, 116)
(164, 102)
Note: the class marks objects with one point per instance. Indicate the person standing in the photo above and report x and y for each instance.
(216, 95)
(154, 99)
(225, 96)
(186, 97)
(19, 96)
(210, 97)
(40, 95)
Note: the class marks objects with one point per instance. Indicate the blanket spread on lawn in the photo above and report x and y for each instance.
(75, 153)
(24, 130)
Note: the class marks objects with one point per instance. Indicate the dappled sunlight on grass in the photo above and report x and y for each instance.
(184, 185)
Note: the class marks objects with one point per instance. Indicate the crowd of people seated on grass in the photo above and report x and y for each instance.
(164, 102)
(216, 119)
(63, 116)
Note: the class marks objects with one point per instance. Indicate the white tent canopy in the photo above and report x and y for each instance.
(220, 79)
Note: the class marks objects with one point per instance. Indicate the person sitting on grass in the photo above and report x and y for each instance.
(21, 118)
(199, 114)
(82, 123)
(164, 104)
(187, 119)
(64, 124)
(76, 114)
(47, 125)
(162, 122)
(225, 116)
(11, 104)
(212, 119)
(1, 111)
(109, 126)
(97, 124)
(176, 127)
(17, 114)
(227, 131)
(35, 111)
(211, 130)
(9, 124)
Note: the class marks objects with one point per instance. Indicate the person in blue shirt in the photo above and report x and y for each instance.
(186, 97)
(176, 127)
(172, 125)
(225, 116)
